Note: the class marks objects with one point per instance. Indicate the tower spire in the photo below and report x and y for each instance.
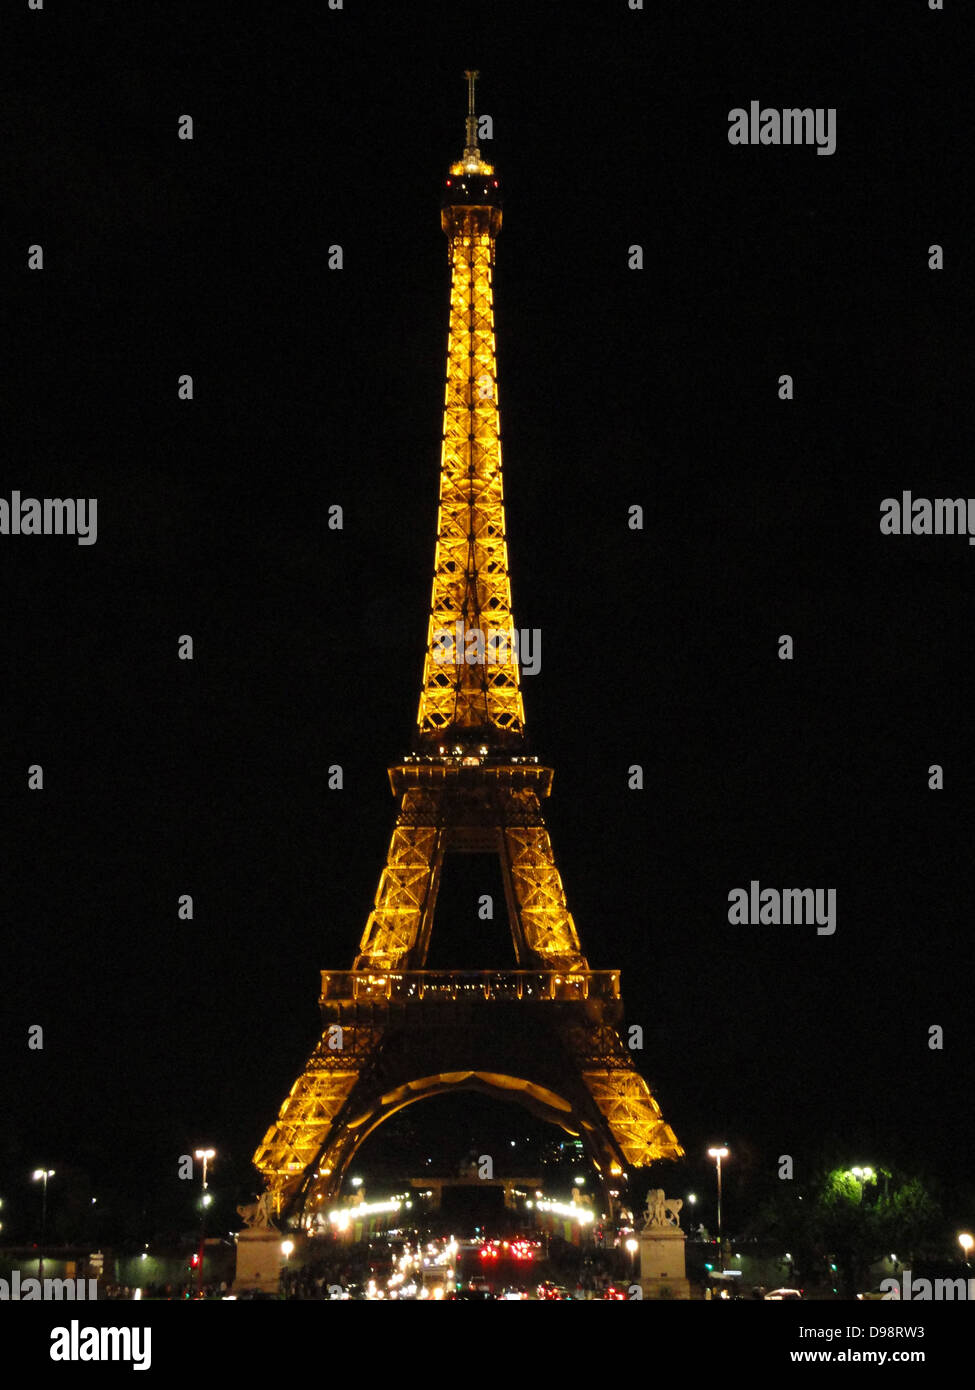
(470, 692)
(472, 155)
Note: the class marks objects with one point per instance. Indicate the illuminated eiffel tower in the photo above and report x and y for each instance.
(546, 1034)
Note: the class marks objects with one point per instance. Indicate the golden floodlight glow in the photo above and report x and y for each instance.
(342, 1217)
(468, 785)
(569, 1210)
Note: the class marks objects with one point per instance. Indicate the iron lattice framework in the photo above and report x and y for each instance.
(471, 586)
(546, 1034)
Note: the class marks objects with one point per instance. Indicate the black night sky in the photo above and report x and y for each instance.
(616, 387)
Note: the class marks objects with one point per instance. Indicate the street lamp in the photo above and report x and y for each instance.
(633, 1246)
(42, 1175)
(718, 1153)
(205, 1155)
(862, 1176)
(966, 1242)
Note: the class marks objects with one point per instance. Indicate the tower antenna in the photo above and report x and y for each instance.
(471, 152)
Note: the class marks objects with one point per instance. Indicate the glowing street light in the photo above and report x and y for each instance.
(862, 1176)
(718, 1153)
(966, 1242)
(42, 1175)
(205, 1155)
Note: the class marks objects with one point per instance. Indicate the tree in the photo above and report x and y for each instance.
(855, 1223)
(848, 1219)
(844, 1227)
(910, 1221)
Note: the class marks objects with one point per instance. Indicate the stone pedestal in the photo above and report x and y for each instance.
(662, 1273)
(259, 1260)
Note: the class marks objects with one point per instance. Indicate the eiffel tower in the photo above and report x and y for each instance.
(546, 1034)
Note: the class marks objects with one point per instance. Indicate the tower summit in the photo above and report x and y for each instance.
(545, 1035)
(472, 155)
(468, 698)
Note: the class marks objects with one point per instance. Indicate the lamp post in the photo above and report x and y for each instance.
(863, 1175)
(718, 1153)
(42, 1175)
(966, 1242)
(205, 1155)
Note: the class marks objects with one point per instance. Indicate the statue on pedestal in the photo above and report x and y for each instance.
(257, 1215)
(661, 1212)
